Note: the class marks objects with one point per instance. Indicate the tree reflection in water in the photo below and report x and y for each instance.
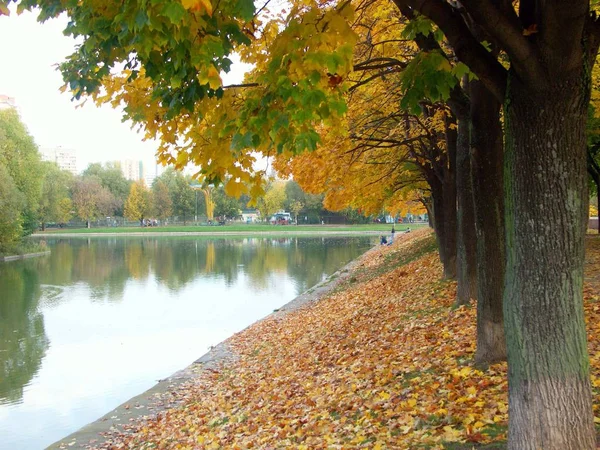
(106, 265)
(23, 341)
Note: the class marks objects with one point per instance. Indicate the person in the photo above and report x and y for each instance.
(383, 240)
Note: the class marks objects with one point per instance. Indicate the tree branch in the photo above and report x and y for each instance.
(466, 47)
(508, 34)
(246, 85)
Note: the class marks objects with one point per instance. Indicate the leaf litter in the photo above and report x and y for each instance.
(383, 362)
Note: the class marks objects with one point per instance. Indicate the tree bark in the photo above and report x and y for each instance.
(487, 159)
(550, 403)
(466, 270)
(449, 200)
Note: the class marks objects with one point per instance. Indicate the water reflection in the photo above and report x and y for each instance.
(23, 341)
(147, 306)
(106, 265)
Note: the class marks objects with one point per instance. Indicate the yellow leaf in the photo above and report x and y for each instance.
(384, 395)
(4, 10)
(411, 402)
(198, 5)
(214, 79)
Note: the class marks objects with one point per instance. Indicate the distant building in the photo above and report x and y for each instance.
(65, 159)
(250, 216)
(151, 175)
(132, 170)
(7, 102)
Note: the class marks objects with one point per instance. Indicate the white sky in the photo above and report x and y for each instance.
(29, 52)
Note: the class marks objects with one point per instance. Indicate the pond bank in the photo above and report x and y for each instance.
(23, 256)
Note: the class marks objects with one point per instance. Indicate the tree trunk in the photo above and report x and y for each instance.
(449, 200)
(550, 403)
(43, 226)
(487, 159)
(88, 224)
(466, 271)
(442, 218)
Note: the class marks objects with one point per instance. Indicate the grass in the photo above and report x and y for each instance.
(238, 228)
(416, 250)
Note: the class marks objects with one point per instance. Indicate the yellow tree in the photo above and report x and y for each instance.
(272, 200)
(138, 204)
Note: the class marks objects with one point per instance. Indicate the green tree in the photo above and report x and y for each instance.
(182, 195)
(11, 205)
(163, 205)
(138, 204)
(55, 189)
(225, 205)
(20, 156)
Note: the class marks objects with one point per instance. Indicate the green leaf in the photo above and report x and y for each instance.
(245, 9)
(460, 70)
(174, 11)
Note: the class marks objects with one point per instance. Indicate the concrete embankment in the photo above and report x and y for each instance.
(24, 256)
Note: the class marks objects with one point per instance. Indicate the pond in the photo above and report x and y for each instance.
(101, 320)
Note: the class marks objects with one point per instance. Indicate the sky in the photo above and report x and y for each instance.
(28, 56)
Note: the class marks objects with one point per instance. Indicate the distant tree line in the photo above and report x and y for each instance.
(36, 193)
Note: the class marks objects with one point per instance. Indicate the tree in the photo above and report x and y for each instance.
(111, 178)
(272, 201)
(11, 204)
(65, 208)
(138, 203)
(91, 200)
(55, 190)
(19, 154)
(183, 197)
(543, 309)
(163, 205)
(224, 204)
(295, 208)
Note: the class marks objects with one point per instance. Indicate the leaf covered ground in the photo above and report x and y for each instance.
(384, 362)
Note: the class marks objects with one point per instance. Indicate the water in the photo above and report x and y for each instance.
(103, 319)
